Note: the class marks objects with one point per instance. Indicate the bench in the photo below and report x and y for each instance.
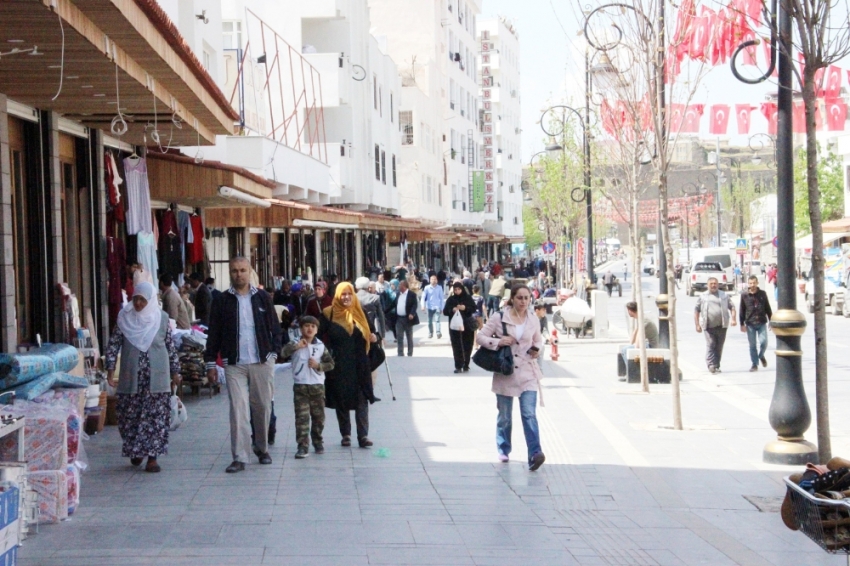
(658, 361)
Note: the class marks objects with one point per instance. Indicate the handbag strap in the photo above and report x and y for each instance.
(504, 327)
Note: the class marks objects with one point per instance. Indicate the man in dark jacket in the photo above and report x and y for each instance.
(754, 314)
(245, 331)
(203, 298)
(404, 309)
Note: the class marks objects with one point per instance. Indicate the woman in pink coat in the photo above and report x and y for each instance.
(524, 338)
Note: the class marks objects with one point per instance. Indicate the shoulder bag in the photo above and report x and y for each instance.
(500, 360)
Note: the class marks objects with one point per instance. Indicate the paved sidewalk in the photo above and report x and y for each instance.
(616, 488)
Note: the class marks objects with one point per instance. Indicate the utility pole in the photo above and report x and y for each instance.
(717, 178)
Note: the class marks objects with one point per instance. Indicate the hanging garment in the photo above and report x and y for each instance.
(138, 196)
(185, 231)
(171, 255)
(146, 254)
(116, 266)
(113, 181)
(196, 250)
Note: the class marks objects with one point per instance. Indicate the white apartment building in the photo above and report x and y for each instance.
(498, 62)
(440, 106)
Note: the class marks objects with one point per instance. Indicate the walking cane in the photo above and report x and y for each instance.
(389, 377)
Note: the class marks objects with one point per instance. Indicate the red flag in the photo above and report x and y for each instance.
(749, 54)
(675, 115)
(684, 28)
(645, 114)
(769, 111)
(765, 45)
(833, 82)
(799, 118)
(742, 113)
(693, 113)
(719, 119)
(701, 36)
(608, 120)
(754, 8)
(836, 114)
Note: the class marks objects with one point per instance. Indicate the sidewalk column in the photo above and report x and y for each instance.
(8, 325)
(359, 264)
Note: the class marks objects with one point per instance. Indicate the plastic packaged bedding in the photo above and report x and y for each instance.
(32, 389)
(16, 369)
(51, 488)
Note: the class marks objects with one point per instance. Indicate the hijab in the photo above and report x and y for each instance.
(351, 316)
(140, 328)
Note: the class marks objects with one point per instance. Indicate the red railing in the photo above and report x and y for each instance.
(290, 93)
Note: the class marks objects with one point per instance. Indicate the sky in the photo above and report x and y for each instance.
(552, 69)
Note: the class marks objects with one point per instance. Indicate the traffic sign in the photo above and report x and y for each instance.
(548, 247)
(741, 244)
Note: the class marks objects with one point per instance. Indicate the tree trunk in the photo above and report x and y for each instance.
(671, 303)
(817, 273)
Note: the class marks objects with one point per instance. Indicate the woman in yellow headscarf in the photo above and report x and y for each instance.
(348, 387)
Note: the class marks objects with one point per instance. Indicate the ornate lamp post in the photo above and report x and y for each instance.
(789, 413)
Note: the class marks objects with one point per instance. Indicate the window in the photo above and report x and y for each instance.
(377, 162)
(394, 176)
(206, 59)
(454, 144)
(384, 167)
(375, 90)
(405, 124)
(232, 32)
(380, 101)
(392, 110)
(463, 149)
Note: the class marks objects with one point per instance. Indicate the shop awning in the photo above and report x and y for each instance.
(178, 178)
(840, 225)
(805, 243)
(81, 44)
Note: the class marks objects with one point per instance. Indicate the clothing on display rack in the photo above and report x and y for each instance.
(185, 226)
(146, 254)
(138, 195)
(116, 266)
(195, 253)
(113, 181)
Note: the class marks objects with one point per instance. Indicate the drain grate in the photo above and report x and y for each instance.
(765, 504)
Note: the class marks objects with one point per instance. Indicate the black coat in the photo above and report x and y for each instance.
(463, 299)
(351, 375)
(223, 337)
(410, 309)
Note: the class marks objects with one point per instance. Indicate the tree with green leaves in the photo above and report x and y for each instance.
(830, 184)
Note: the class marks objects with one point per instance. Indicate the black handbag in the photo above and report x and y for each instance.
(500, 360)
(376, 356)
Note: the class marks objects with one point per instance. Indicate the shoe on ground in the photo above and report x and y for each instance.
(430, 336)
(504, 458)
(457, 370)
(152, 466)
(623, 379)
(265, 458)
(319, 448)
(272, 434)
(763, 361)
(439, 335)
(136, 461)
(717, 370)
(257, 452)
(235, 467)
(754, 368)
(346, 440)
(712, 369)
(401, 354)
(536, 461)
(302, 452)
(365, 442)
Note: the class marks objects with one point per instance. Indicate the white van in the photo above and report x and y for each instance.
(724, 256)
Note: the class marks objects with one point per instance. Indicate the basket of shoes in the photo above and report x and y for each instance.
(817, 503)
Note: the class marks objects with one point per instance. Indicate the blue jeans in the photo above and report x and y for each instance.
(432, 315)
(757, 335)
(492, 305)
(504, 423)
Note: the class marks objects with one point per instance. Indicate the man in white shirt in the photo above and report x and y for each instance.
(406, 317)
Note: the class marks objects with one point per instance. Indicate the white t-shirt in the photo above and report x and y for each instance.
(401, 308)
(248, 351)
(520, 329)
(302, 373)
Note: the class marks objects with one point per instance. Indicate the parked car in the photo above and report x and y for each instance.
(701, 273)
(724, 256)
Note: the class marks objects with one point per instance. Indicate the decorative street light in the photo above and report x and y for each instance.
(762, 140)
(789, 413)
(695, 191)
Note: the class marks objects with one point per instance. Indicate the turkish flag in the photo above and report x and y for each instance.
(833, 82)
(693, 113)
(608, 119)
(685, 16)
(799, 118)
(719, 119)
(749, 54)
(702, 36)
(645, 115)
(675, 117)
(836, 114)
(765, 45)
(771, 114)
(754, 9)
(742, 113)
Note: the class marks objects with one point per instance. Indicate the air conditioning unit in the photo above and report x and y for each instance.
(516, 220)
(511, 189)
(457, 56)
(510, 156)
(452, 105)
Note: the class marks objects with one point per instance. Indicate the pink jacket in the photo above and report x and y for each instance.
(527, 374)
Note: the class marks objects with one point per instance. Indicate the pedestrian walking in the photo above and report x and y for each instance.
(494, 298)
(713, 314)
(320, 300)
(523, 337)
(143, 338)
(755, 313)
(245, 331)
(460, 301)
(310, 361)
(404, 308)
(371, 305)
(203, 298)
(608, 281)
(172, 303)
(348, 386)
(433, 300)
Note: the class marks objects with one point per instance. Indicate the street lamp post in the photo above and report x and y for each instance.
(789, 413)
(698, 191)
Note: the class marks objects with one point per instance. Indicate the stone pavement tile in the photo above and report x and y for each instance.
(111, 516)
(651, 518)
(522, 557)
(247, 535)
(91, 561)
(665, 558)
(819, 558)
(426, 556)
(406, 511)
(435, 533)
(310, 512)
(485, 535)
(336, 560)
(183, 535)
(386, 532)
(251, 511)
(533, 536)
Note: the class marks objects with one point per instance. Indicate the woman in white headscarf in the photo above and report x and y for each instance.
(143, 337)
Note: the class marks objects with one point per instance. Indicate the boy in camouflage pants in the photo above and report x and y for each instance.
(310, 361)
